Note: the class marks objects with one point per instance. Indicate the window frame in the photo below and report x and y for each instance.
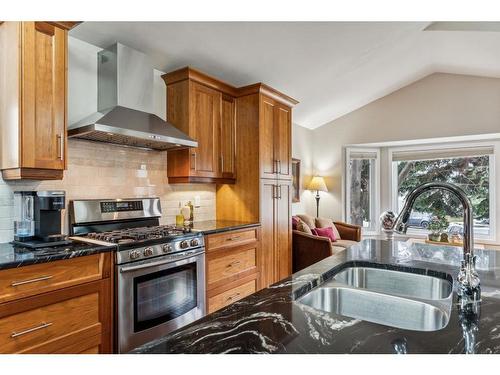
(392, 168)
(376, 184)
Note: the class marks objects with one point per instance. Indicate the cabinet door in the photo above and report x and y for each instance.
(268, 239)
(227, 137)
(205, 123)
(283, 141)
(43, 96)
(267, 138)
(283, 250)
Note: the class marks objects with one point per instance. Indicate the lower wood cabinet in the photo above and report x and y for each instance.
(232, 266)
(74, 319)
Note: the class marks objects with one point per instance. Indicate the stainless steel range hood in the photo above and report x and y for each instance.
(125, 105)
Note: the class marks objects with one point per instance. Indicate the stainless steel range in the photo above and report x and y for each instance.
(160, 269)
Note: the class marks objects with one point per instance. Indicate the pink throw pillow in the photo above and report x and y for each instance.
(295, 222)
(325, 232)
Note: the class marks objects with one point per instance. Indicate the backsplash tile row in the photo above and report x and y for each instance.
(97, 170)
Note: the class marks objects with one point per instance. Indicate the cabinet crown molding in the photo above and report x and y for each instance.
(188, 73)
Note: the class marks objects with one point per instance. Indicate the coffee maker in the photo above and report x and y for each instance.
(37, 221)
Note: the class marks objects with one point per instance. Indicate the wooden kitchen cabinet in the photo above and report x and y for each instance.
(228, 137)
(262, 192)
(276, 263)
(275, 143)
(55, 307)
(232, 260)
(33, 113)
(205, 111)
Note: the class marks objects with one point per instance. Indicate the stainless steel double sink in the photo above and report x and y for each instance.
(393, 298)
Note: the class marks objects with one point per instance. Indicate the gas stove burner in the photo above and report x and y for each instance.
(139, 234)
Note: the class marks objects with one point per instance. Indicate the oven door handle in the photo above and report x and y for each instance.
(154, 264)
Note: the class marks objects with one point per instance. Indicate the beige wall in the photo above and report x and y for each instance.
(439, 105)
(302, 149)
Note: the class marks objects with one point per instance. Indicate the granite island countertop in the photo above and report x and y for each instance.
(219, 226)
(273, 321)
(13, 256)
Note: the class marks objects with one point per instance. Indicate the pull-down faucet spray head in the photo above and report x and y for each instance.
(468, 280)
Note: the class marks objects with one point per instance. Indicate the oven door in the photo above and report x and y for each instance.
(157, 296)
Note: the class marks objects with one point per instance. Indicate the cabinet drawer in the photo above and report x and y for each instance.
(24, 331)
(230, 264)
(229, 296)
(40, 278)
(233, 238)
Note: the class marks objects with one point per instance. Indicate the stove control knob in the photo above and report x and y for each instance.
(134, 254)
(195, 242)
(148, 251)
(184, 244)
(167, 248)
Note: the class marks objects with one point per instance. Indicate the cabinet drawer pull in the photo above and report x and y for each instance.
(230, 298)
(222, 163)
(41, 278)
(279, 190)
(60, 148)
(233, 238)
(232, 264)
(279, 166)
(29, 330)
(193, 163)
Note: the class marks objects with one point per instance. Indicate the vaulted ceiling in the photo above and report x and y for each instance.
(332, 68)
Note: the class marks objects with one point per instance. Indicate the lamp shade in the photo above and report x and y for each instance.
(317, 183)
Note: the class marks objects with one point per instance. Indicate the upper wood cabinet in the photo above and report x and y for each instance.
(206, 113)
(275, 142)
(228, 137)
(33, 102)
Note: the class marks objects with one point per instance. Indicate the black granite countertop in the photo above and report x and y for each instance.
(273, 321)
(12, 256)
(218, 226)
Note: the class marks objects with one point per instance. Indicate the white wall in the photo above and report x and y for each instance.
(439, 105)
(302, 147)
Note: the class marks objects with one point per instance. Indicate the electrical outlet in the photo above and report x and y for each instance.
(197, 201)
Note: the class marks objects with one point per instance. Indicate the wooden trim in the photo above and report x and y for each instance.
(261, 88)
(188, 73)
(32, 174)
(202, 180)
(197, 76)
(66, 25)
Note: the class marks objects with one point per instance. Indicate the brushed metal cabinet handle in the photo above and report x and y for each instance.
(279, 166)
(232, 264)
(222, 163)
(43, 325)
(60, 148)
(41, 278)
(231, 297)
(233, 238)
(193, 164)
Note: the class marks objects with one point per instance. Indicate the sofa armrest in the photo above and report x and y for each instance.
(308, 249)
(348, 231)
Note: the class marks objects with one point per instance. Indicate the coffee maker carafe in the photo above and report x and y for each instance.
(37, 220)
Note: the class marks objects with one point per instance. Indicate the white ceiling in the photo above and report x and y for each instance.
(332, 68)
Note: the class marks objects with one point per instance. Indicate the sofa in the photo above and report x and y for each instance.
(309, 248)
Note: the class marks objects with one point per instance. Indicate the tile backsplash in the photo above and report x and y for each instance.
(99, 170)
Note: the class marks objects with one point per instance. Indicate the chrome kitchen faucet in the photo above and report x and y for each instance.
(468, 279)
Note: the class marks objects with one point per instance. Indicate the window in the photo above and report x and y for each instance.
(469, 168)
(362, 181)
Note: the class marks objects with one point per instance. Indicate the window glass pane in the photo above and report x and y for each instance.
(361, 207)
(472, 174)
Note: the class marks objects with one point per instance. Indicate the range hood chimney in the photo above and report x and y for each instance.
(125, 105)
